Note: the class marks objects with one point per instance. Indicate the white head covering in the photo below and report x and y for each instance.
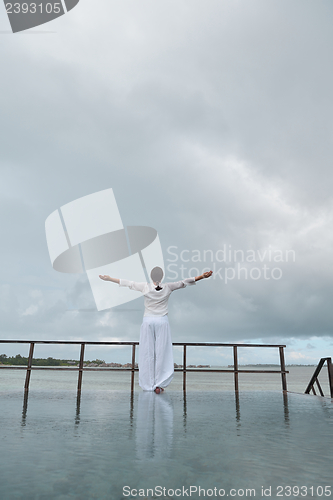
(156, 275)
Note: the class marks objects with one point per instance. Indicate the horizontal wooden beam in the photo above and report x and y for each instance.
(115, 369)
(79, 342)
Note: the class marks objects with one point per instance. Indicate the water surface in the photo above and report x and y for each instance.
(57, 446)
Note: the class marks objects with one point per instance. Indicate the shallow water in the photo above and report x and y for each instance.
(55, 446)
(297, 380)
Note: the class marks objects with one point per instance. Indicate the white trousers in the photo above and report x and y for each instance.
(155, 353)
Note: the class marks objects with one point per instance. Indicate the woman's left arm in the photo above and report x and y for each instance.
(188, 281)
(203, 276)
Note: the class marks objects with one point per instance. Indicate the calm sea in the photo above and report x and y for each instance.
(209, 442)
(297, 380)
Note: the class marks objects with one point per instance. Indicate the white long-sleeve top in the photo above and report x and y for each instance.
(156, 301)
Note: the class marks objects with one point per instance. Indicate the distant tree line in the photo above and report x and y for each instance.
(21, 360)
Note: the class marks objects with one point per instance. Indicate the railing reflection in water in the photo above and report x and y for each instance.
(151, 417)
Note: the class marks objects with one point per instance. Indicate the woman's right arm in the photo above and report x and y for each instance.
(105, 277)
(133, 285)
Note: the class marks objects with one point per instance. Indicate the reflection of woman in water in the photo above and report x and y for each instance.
(155, 356)
(154, 427)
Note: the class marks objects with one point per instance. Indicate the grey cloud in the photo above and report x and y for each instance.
(213, 126)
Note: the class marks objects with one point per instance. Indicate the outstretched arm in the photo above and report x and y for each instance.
(203, 276)
(188, 281)
(133, 285)
(105, 277)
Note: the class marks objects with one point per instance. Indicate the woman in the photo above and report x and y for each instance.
(155, 355)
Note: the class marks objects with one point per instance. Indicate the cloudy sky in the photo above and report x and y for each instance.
(212, 122)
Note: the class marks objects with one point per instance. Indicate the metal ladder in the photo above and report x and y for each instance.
(314, 378)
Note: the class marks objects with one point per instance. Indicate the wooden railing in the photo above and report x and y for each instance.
(314, 379)
(80, 368)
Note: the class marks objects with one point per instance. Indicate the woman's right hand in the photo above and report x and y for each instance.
(104, 277)
(207, 274)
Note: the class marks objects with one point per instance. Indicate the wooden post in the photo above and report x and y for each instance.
(78, 406)
(79, 382)
(133, 368)
(27, 378)
(319, 388)
(315, 375)
(283, 369)
(330, 374)
(235, 368)
(184, 368)
(286, 408)
(237, 406)
(25, 408)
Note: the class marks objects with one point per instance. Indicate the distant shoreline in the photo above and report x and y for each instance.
(19, 360)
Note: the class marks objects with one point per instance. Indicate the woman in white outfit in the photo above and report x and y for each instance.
(156, 365)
